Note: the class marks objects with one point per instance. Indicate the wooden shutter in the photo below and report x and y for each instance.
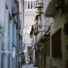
(56, 44)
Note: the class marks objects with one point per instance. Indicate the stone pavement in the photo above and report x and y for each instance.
(28, 66)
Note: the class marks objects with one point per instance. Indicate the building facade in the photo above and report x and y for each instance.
(21, 14)
(29, 14)
(51, 34)
(9, 33)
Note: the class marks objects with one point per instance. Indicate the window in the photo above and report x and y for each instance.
(29, 4)
(32, 4)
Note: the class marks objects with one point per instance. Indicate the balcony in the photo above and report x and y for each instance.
(52, 7)
(39, 4)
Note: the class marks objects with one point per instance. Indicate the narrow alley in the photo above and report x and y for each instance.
(28, 66)
(33, 33)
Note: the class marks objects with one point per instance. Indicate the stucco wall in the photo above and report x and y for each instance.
(57, 24)
(48, 61)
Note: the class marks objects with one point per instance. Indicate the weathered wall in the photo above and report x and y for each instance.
(57, 24)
